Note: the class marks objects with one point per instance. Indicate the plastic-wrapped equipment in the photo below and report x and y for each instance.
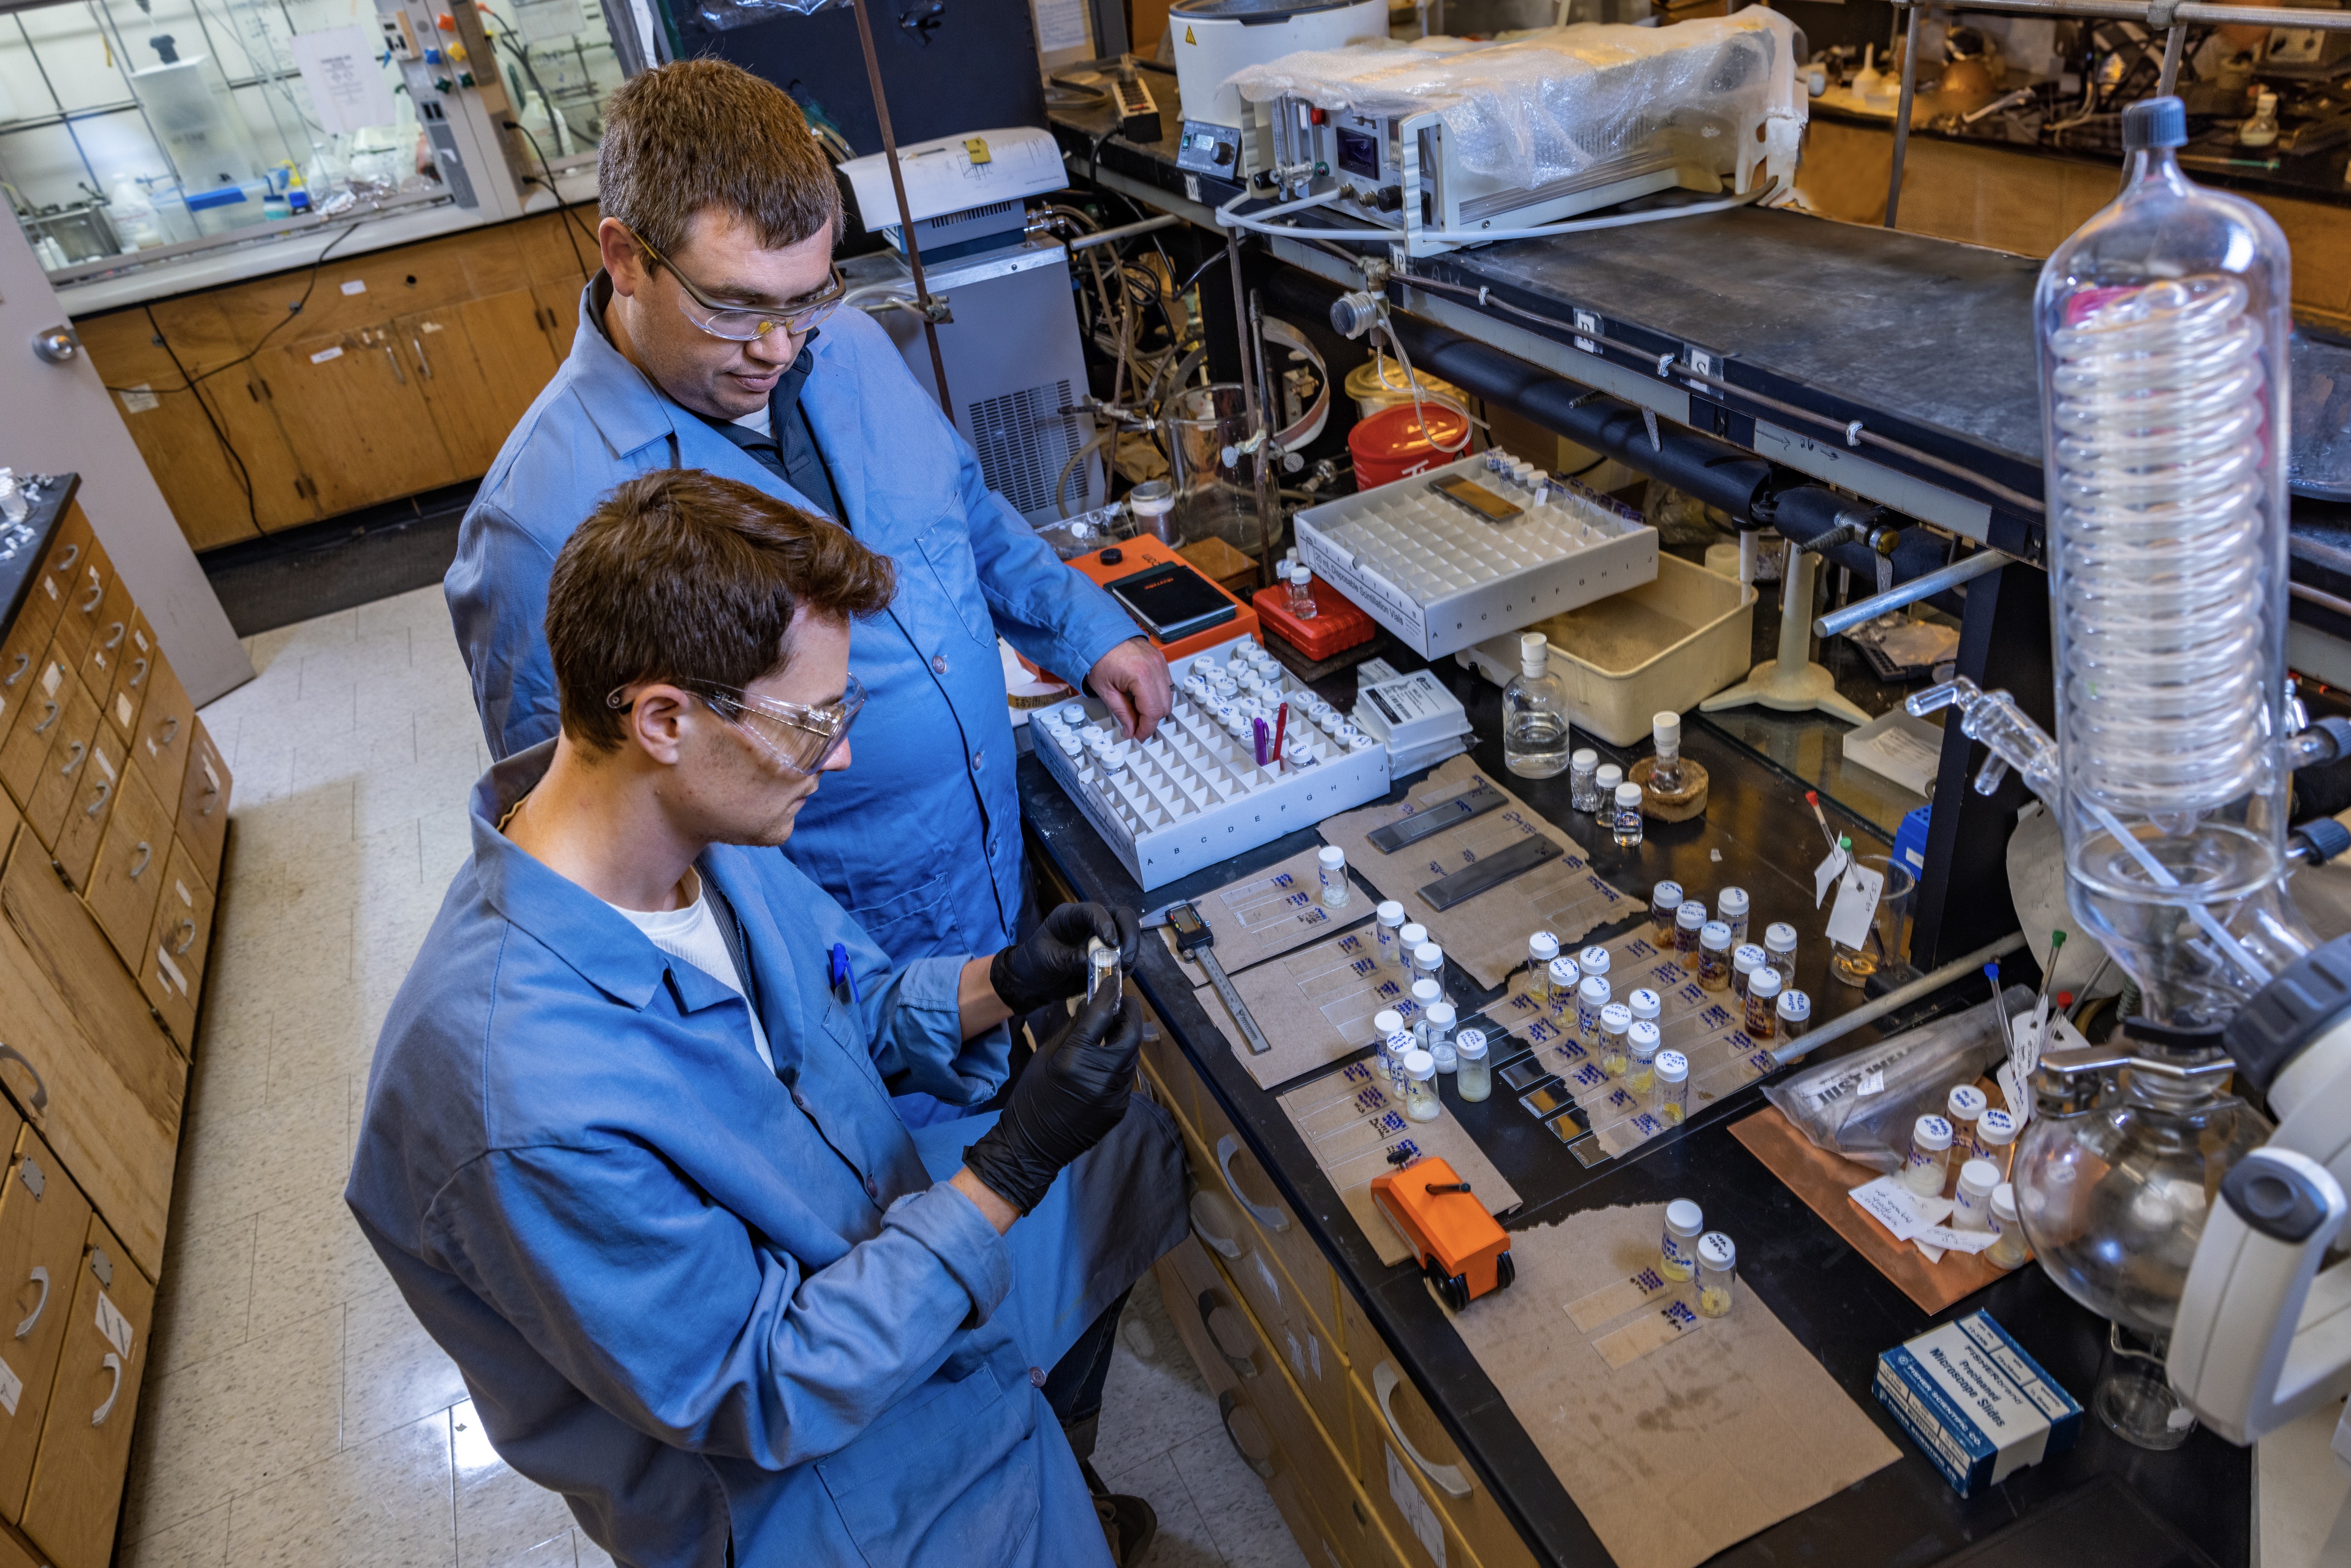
(1863, 1104)
(1562, 101)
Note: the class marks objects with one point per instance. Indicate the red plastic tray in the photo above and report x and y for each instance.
(1337, 625)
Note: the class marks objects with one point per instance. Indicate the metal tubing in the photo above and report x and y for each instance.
(1124, 231)
(2175, 40)
(1900, 997)
(905, 214)
(1910, 593)
(2328, 21)
(1902, 114)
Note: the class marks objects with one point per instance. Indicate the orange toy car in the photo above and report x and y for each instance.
(1461, 1249)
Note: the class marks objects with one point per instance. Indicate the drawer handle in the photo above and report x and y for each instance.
(171, 731)
(1272, 1218)
(421, 362)
(73, 554)
(79, 749)
(49, 717)
(1209, 1306)
(113, 1364)
(188, 939)
(40, 1090)
(138, 673)
(1449, 1478)
(97, 592)
(146, 854)
(1228, 1404)
(397, 373)
(40, 1276)
(114, 642)
(105, 789)
(211, 799)
(24, 663)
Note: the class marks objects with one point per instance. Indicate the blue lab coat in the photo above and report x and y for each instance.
(921, 842)
(698, 1297)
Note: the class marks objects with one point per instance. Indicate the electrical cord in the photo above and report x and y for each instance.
(244, 476)
(561, 205)
(192, 381)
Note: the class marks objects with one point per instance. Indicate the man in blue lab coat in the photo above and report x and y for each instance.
(698, 346)
(628, 1151)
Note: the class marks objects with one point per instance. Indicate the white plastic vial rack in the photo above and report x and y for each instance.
(1433, 569)
(1195, 792)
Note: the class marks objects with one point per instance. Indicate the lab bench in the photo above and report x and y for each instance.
(1317, 1420)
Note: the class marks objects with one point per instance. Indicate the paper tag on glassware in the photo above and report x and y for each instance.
(1826, 872)
(1855, 906)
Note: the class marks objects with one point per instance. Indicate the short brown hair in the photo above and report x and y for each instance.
(703, 133)
(683, 576)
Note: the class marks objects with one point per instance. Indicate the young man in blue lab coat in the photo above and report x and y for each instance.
(628, 1151)
(699, 346)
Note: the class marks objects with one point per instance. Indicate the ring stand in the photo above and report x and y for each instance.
(1790, 683)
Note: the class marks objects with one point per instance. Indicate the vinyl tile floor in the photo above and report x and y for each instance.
(294, 1413)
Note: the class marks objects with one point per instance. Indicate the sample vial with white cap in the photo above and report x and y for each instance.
(1745, 959)
(1718, 1274)
(1641, 1042)
(1794, 1014)
(1583, 781)
(1646, 1004)
(1996, 1135)
(2011, 1249)
(1331, 861)
(1961, 1107)
(1387, 1026)
(1102, 966)
(1626, 827)
(1929, 1165)
(1441, 1021)
(1426, 994)
(1534, 714)
(1429, 963)
(1665, 729)
(1420, 1086)
(1615, 1019)
(1393, 1050)
(1593, 960)
(1779, 946)
(1542, 949)
(1388, 933)
(1762, 1019)
(1665, 901)
(1714, 956)
(1412, 935)
(1301, 591)
(1677, 1252)
(1591, 996)
(1730, 908)
(1688, 920)
(1604, 789)
(1669, 1101)
(1474, 1080)
(1564, 978)
(1972, 1203)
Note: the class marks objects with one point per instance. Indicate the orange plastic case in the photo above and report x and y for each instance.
(1460, 1247)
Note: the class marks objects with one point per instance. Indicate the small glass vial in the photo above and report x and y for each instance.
(1745, 959)
(1670, 1100)
(1665, 900)
(1590, 998)
(1564, 979)
(1972, 1203)
(1426, 994)
(1583, 788)
(1593, 960)
(1301, 592)
(1688, 920)
(1409, 938)
(2010, 1250)
(1665, 729)
(1615, 1019)
(1474, 1080)
(1718, 1274)
(1714, 956)
(1928, 1168)
(1603, 786)
(1420, 1086)
(1779, 951)
(1429, 964)
(1393, 1050)
(1534, 714)
(1641, 1042)
(1331, 861)
(1677, 1251)
(1387, 1026)
(1794, 1014)
(1731, 908)
(1626, 828)
(1441, 1021)
(1961, 1107)
(1389, 937)
(1101, 966)
(1542, 949)
(1762, 1019)
(1646, 1005)
(1996, 1137)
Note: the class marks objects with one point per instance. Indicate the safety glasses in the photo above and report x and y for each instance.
(735, 323)
(798, 737)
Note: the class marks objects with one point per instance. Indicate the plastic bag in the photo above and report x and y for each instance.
(1863, 1105)
(725, 16)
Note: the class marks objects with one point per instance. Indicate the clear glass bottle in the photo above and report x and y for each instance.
(2262, 130)
(1666, 730)
(1731, 908)
(1474, 1080)
(1615, 1019)
(1593, 960)
(1441, 1021)
(2008, 1252)
(1390, 929)
(1996, 1133)
(1420, 1087)
(1542, 949)
(1665, 900)
(1393, 1050)
(1411, 936)
(1794, 1014)
(1301, 591)
(1591, 996)
(1331, 861)
(1604, 789)
(1670, 1100)
(1762, 1014)
(1627, 825)
(1583, 781)
(1714, 956)
(1564, 979)
(1927, 1169)
(1745, 959)
(1647, 1006)
(1718, 1274)
(1677, 1249)
(1780, 948)
(1426, 994)
(1429, 964)
(1101, 966)
(1641, 1042)
(1688, 920)
(1534, 714)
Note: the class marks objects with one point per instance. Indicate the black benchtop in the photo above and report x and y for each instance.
(1832, 1300)
(22, 544)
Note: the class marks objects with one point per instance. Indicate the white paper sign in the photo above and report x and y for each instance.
(12, 1388)
(1415, 1509)
(1855, 906)
(1826, 872)
(1899, 1209)
(1944, 1238)
(347, 86)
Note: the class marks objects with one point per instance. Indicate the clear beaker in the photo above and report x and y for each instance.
(1887, 943)
(1212, 499)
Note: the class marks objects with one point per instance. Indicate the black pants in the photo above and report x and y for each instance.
(1074, 1387)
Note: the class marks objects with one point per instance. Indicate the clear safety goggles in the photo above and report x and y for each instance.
(738, 325)
(798, 737)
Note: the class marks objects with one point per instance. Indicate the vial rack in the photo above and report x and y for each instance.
(1195, 793)
(1442, 577)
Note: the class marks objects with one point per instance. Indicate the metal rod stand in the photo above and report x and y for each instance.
(906, 213)
(1902, 112)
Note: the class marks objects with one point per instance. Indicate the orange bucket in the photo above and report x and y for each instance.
(1393, 444)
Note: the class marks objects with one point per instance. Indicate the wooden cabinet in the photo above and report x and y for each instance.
(203, 805)
(34, 724)
(272, 402)
(44, 1221)
(60, 770)
(91, 807)
(85, 597)
(77, 1475)
(131, 673)
(173, 976)
(128, 877)
(166, 730)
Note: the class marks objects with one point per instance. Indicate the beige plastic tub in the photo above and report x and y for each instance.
(1670, 643)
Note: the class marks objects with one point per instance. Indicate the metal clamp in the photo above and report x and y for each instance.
(1449, 1478)
(1272, 1218)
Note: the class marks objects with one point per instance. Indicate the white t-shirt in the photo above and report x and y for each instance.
(760, 419)
(691, 933)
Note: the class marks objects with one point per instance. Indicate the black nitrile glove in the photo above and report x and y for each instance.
(1067, 1099)
(1050, 965)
